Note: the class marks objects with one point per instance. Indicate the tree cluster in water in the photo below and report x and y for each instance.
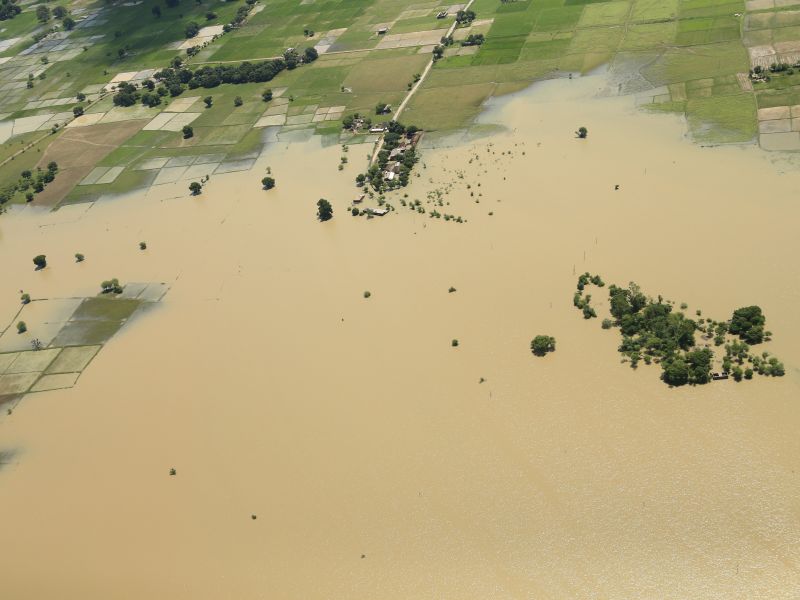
(652, 331)
(397, 135)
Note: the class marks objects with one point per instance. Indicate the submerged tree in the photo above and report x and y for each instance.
(40, 261)
(582, 133)
(195, 188)
(268, 183)
(748, 323)
(542, 344)
(324, 210)
(110, 286)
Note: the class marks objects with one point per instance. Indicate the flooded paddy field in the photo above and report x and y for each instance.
(329, 445)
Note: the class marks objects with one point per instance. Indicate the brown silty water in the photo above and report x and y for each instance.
(375, 462)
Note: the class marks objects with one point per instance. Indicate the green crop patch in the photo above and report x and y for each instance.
(722, 119)
(654, 10)
(105, 308)
(558, 19)
(605, 14)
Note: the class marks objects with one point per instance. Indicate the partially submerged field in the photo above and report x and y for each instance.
(691, 57)
(315, 430)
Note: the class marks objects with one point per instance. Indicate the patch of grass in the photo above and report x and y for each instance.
(654, 10)
(104, 308)
(447, 108)
(722, 119)
(605, 14)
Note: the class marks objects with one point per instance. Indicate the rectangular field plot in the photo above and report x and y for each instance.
(33, 360)
(73, 359)
(82, 333)
(654, 10)
(179, 121)
(6, 359)
(16, 383)
(55, 382)
(604, 14)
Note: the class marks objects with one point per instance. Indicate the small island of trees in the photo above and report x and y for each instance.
(542, 344)
(653, 332)
(324, 210)
(40, 260)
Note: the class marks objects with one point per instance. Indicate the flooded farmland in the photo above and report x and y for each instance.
(328, 445)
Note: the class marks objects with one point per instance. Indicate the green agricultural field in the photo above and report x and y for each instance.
(697, 48)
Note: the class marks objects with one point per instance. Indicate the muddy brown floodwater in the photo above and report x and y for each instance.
(375, 462)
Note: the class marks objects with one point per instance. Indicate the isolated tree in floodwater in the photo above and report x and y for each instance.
(195, 188)
(268, 183)
(40, 261)
(324, 210)
(582, 133)
(542, 344)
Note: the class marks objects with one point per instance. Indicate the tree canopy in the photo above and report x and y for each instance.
(748, 323)
(542, 344)
(324, 210)
(653, 331)
(9, 9)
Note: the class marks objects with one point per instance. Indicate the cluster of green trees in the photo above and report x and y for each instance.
(38, 182)
(394, 135)
(583, 303)
(542, 344)
(748, 323)
(128, 94)
(176, 78)
(111, 286)
(191, 30)
(350, 120)
(465, 17)
(42, 13)
(240, 16)
(325, 211)
(9, 9)
(30, 182)
(476, 39)
(653, 332)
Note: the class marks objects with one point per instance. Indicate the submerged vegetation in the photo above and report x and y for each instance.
(653, 332)
(395, 159)
(542, 344)
(324, 210)
(110, 286)
(40, 260)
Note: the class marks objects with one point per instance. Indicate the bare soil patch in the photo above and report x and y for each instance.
(78, 150)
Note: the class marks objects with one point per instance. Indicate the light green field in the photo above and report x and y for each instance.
(693, 46)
